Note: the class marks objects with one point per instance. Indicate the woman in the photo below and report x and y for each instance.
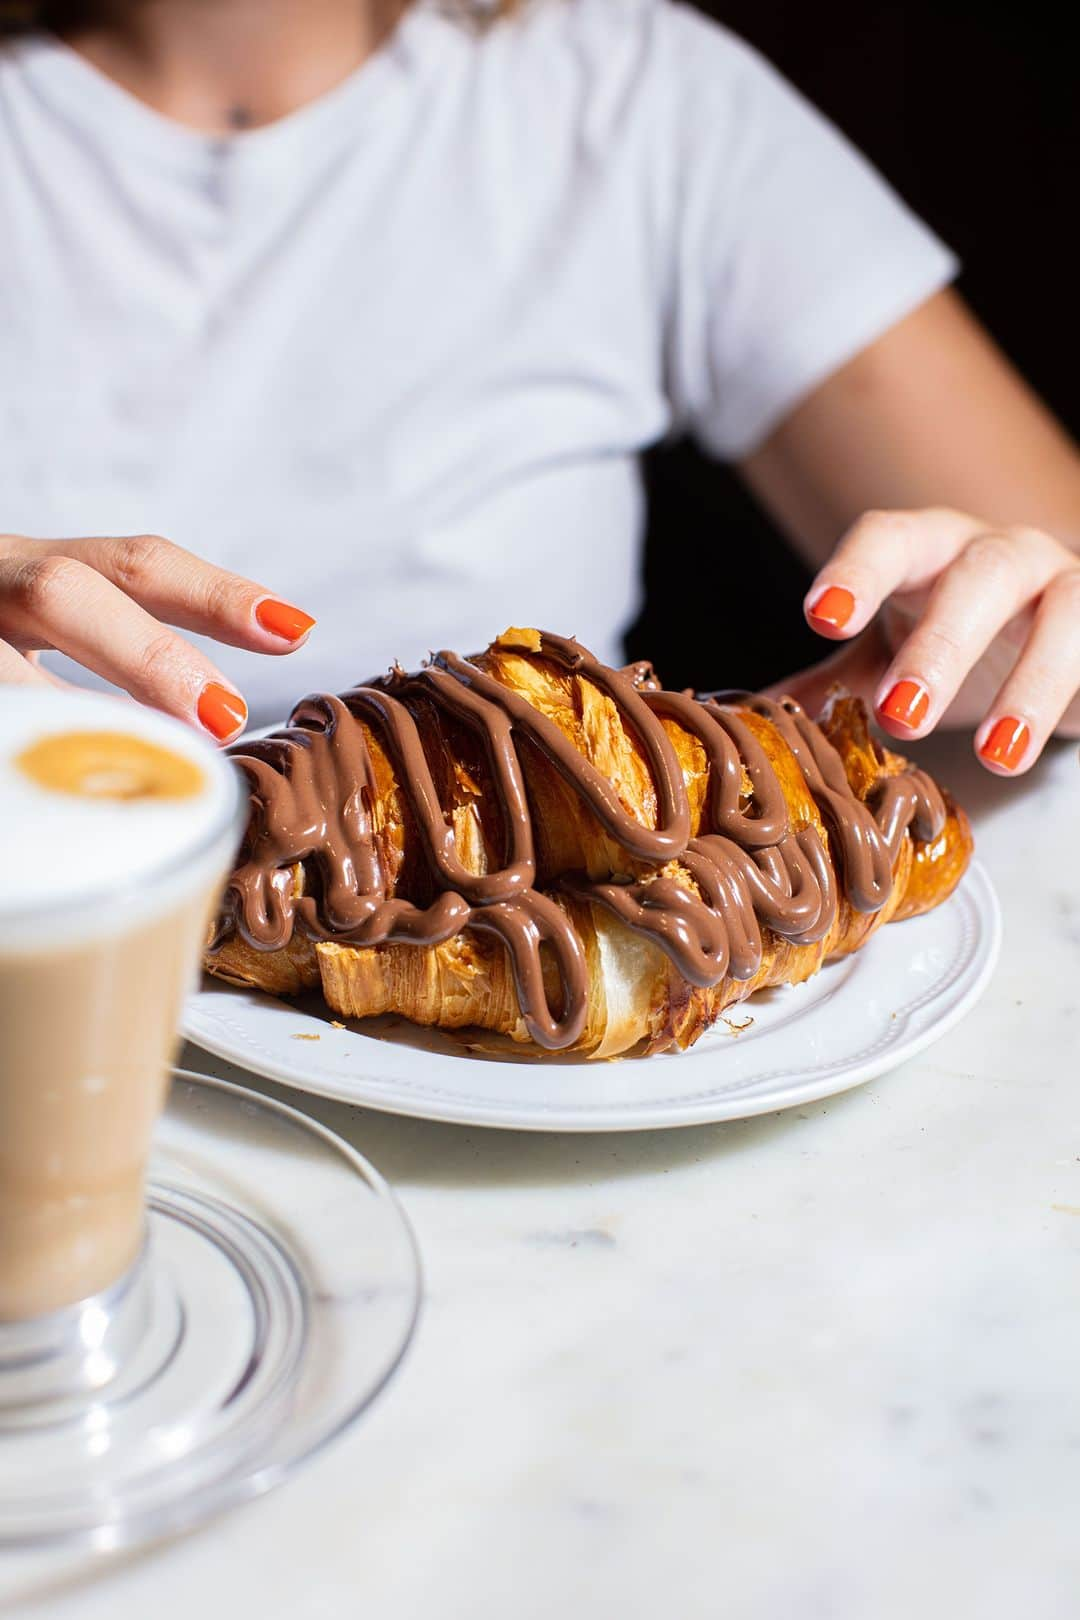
(380, 305)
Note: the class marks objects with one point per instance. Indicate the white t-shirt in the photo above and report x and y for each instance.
(394, 356)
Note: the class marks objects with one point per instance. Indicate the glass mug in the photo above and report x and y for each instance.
(199, 1286)
(120, 826)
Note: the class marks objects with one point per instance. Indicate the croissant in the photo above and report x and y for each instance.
(534, 843)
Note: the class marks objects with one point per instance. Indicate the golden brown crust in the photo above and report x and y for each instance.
(929, 872)
(636, 997)
(287, 972)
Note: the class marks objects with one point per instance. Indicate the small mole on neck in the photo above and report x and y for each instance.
(239, 117)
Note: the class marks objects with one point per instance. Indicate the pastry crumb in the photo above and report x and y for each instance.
(736, 1029)
(301, 1036)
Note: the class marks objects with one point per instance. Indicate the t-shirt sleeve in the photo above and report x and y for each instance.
(790, 253)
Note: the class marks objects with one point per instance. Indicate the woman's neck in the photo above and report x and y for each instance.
(221, 65)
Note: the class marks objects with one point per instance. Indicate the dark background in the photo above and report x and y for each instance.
(972, 113)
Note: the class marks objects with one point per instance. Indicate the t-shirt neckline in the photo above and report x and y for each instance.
(86, 96)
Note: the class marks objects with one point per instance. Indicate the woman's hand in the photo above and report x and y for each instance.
(972, 625)
(107, 604)
(972, 622)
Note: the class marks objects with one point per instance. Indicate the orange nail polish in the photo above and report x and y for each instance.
(1006, 742)
(282, 620)
(833, 607)
(222, 712)
(906, 703)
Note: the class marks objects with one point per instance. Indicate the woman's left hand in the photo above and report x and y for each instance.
(965, 623)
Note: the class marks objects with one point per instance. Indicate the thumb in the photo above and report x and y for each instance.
(857, 665)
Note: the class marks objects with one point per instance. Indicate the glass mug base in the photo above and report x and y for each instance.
(277, 1291)
(73, 1354)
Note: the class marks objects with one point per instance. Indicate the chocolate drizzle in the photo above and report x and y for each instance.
(313, 788)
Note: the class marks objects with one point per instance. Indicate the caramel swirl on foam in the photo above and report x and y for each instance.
(109, 765)
(312, 786)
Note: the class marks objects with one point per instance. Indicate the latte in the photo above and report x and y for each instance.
(119, 825)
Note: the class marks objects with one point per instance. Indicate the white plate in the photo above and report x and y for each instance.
(857, 1018)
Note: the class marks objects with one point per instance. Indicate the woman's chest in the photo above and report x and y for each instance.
(394, 352)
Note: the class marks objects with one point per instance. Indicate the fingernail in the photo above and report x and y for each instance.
(906, 703)
(222, 712)
(1006, 742)
(833, 607)
(283, 620)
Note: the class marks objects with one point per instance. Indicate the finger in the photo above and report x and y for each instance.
(83, 615)
(883, 552)
(1042, 686)
(15, 670)
(175, 586)
(992, 580)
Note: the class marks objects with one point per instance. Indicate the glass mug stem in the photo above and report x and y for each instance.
(77, 1351)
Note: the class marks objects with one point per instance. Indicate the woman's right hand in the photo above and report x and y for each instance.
(108, 604)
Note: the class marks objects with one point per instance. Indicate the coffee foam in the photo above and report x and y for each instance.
(64, 849)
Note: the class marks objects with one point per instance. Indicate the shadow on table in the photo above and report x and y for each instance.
(420, 1152)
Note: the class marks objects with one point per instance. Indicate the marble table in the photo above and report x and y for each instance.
(822, 1365)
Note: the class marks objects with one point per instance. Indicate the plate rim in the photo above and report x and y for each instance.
(703, 1107)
